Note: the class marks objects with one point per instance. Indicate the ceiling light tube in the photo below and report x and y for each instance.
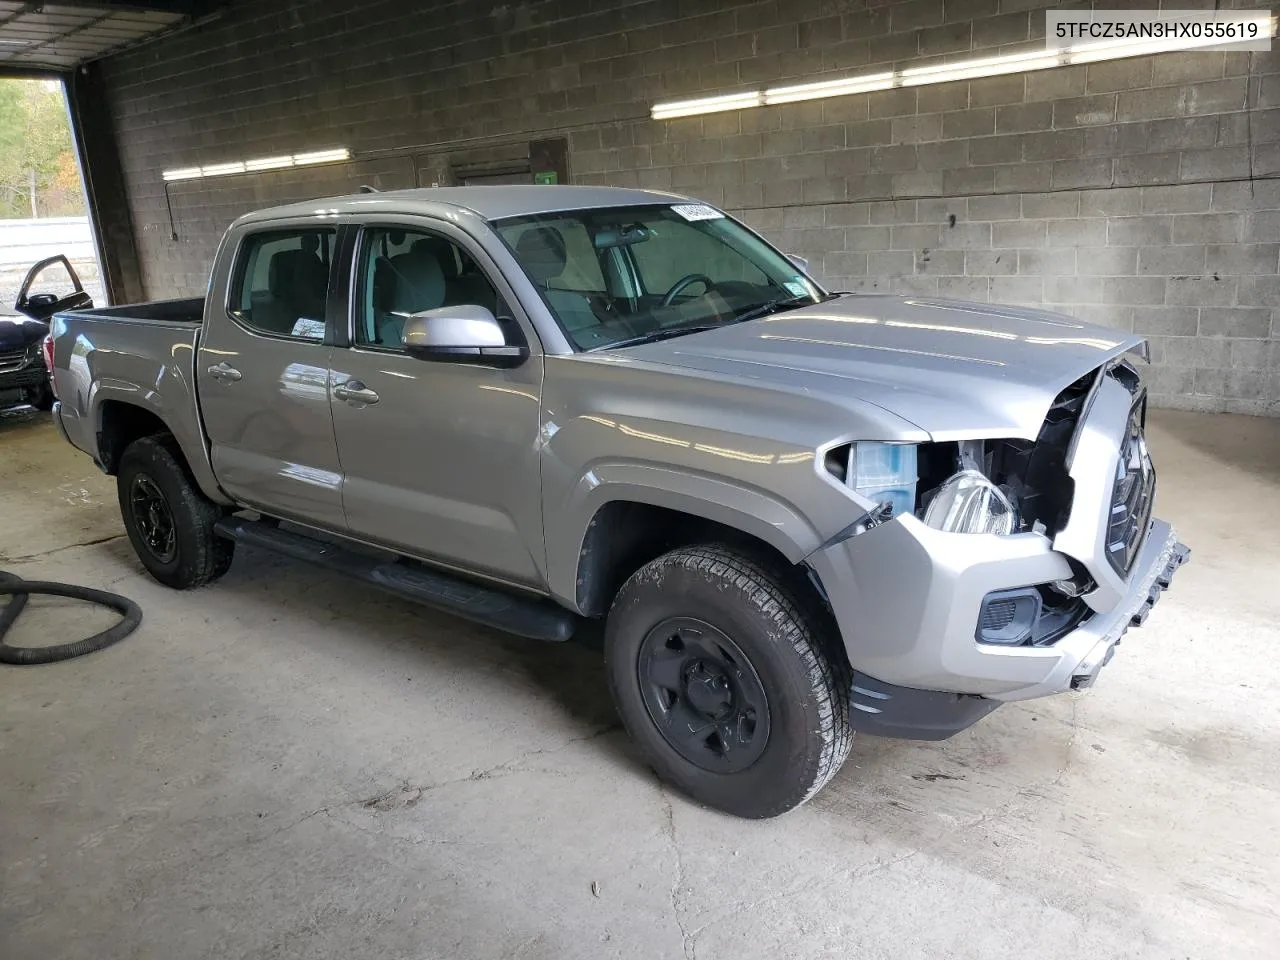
(186, 173)
(986, 67)
(268, 163)
(690, 108)
(322, 156)
(829, 88)
(1022, 62)
(1120, 49)
(223, 169)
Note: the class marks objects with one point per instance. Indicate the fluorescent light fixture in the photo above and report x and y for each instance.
(321, 156)
(335, 155)
(268, 163)
(829, 88)
(974, 68)
(222, 169)
(690, 108)
(984, 67)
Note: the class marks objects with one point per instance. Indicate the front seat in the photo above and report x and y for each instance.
(541, 251)
(419, 285)
(460, 284)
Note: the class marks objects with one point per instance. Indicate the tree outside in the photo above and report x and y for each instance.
(38, 173)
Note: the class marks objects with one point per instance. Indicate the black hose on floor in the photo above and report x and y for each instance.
(19, 590)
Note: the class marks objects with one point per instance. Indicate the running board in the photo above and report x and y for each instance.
(535, 619)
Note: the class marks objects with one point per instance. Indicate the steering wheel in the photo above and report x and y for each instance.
(686, 281)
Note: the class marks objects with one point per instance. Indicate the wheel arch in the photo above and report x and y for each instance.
(119, 422)
(619, 521)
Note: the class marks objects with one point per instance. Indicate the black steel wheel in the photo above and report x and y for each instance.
(703, 694)
(168, 519)
(153, 518)
(730, 678)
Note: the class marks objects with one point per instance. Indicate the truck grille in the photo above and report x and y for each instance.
(1133, 495)
(11, 360)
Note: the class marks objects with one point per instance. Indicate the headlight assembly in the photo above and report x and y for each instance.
(970, 503)
(885, 473)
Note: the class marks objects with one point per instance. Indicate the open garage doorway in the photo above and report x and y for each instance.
(43, 211)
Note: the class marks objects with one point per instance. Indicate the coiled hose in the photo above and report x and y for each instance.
(19, 591)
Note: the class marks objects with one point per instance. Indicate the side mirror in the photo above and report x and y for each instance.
(800, 262)
(467, 333)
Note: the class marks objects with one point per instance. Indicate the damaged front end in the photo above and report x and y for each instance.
(1021, 584)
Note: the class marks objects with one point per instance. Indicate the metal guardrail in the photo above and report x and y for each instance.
(26, 241)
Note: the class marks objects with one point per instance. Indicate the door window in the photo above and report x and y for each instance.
(403, 272)
(282, 282)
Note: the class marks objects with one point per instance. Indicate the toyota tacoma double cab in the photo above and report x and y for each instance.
(799, 513)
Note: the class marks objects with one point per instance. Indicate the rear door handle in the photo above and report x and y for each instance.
(354, 392)
(225, 373)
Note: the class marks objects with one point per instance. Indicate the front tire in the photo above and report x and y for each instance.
(169, 521)
(729, 680)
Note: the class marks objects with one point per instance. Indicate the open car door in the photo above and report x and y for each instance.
(53, 293)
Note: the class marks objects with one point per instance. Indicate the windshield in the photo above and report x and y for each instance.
(624, 275)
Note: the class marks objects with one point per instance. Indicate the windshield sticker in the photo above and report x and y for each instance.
(698, 211)
(796, 288)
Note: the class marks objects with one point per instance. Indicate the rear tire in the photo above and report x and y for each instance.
(169, 521)
(730, 680)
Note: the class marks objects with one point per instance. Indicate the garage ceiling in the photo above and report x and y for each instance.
(58, 36)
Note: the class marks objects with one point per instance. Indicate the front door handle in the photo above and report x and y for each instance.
(225, 373)
(354, 392)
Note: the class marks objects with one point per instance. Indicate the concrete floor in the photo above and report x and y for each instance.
(287, 765)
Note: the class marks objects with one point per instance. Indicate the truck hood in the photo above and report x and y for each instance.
(17, 333)
(956, 370)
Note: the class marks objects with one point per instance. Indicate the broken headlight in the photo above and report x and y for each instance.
(970, 503)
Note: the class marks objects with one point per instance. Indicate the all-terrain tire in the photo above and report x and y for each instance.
(793, 650)
(197, 556)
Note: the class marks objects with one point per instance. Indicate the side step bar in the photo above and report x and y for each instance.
(525, 617)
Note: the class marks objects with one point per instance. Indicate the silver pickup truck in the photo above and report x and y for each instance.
(800, 513)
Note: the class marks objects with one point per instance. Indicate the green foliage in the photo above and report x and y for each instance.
(35, 135)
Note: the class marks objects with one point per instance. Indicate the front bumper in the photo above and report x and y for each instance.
(907, 597)
(32, 375)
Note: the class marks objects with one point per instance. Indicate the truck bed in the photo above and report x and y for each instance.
(189, 310)
(137, 358)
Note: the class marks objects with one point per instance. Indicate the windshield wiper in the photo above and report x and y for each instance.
(664, 334)
(784, 303)
(773, 306)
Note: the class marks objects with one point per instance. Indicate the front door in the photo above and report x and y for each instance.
(440, 459)
(263, 377)
(51, 286)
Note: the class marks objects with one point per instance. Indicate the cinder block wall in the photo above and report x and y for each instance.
(1142, 194)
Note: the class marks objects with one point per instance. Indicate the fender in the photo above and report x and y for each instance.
(177, 422)
(735, 505)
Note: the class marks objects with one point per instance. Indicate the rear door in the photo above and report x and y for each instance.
(262, 371)
(440, 459)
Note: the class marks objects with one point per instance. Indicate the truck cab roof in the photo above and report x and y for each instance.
(488, 202)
